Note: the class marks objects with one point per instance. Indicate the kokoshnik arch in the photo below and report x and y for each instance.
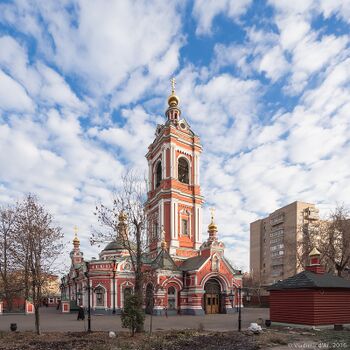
(193, 277)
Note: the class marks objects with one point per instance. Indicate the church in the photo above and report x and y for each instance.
(192, 275)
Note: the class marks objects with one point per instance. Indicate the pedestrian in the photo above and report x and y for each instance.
(166, 312)
(81, 313)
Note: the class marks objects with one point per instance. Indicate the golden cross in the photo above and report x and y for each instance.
(173, 82)
(212, 211)
(75, 229)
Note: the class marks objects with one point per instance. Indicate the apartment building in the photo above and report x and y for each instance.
(273, 241)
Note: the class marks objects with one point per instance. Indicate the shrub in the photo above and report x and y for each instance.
(133, 316)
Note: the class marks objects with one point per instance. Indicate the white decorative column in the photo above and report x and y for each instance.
(173, 162)
(174, 243)
(164, 163)
(198, 214)
(150, 176)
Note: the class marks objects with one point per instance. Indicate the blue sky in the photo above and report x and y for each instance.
(266, 85)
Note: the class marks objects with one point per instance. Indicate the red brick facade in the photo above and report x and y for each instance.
(192, 276)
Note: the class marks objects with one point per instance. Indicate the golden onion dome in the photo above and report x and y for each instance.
(76, 239)
(212, 227)
(173, 100)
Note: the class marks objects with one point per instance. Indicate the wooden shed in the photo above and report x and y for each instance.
(311, 297)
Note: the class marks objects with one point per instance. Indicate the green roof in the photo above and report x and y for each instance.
(193, 263)
(308, 279)
(118, 244)
(164, 261)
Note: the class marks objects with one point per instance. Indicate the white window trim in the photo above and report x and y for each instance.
(123, 286)
(175, 297)
(189, 168)
(104, 297)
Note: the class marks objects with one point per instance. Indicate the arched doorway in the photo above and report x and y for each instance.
(172, 298)
(212, 296)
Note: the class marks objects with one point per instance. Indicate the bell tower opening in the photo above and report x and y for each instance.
(183, 170)
(158, 174)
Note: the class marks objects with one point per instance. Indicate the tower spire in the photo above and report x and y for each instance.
(173, 82)
(76, 241)
(173, 112)
(76, 255)
(212, 228)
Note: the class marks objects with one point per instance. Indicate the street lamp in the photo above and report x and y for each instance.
(231, 297)
(239, 309)
(114, 272)
(87, 275)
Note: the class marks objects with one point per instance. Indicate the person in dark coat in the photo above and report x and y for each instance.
(81, 313)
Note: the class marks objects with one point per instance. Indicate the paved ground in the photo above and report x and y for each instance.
(52, 320)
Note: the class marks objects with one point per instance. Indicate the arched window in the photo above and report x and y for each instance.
(155, 229)
(100, 296)
(183, 171)
(171, 298)
(158, 174)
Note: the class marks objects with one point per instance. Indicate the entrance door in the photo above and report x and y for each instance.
(212, 297)
(212, 303)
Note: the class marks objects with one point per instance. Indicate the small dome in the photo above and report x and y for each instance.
(115, 245)
(173, 100)
(212, 227)
(76, 240)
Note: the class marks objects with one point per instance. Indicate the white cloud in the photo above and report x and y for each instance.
(42, 83)
(206, 10)
(273, 63)
(311, 55)
(260, 53)
(132, 139)
(98, 60)
(54, 89)
(13, 96)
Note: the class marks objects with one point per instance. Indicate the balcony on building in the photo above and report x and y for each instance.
(277, 219)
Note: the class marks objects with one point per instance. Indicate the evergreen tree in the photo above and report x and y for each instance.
(132, 315)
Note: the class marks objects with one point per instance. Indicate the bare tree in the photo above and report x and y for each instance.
(331, 237)
(38, 244)
(126, 219)
(253, 288)
(8, 279)
(335, 240)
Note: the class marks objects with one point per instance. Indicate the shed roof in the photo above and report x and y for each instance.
(308, 279)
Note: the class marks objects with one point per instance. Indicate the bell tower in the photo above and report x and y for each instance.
(76, 255)
(174, 202)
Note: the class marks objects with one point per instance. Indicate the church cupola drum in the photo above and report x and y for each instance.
(174, 203)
